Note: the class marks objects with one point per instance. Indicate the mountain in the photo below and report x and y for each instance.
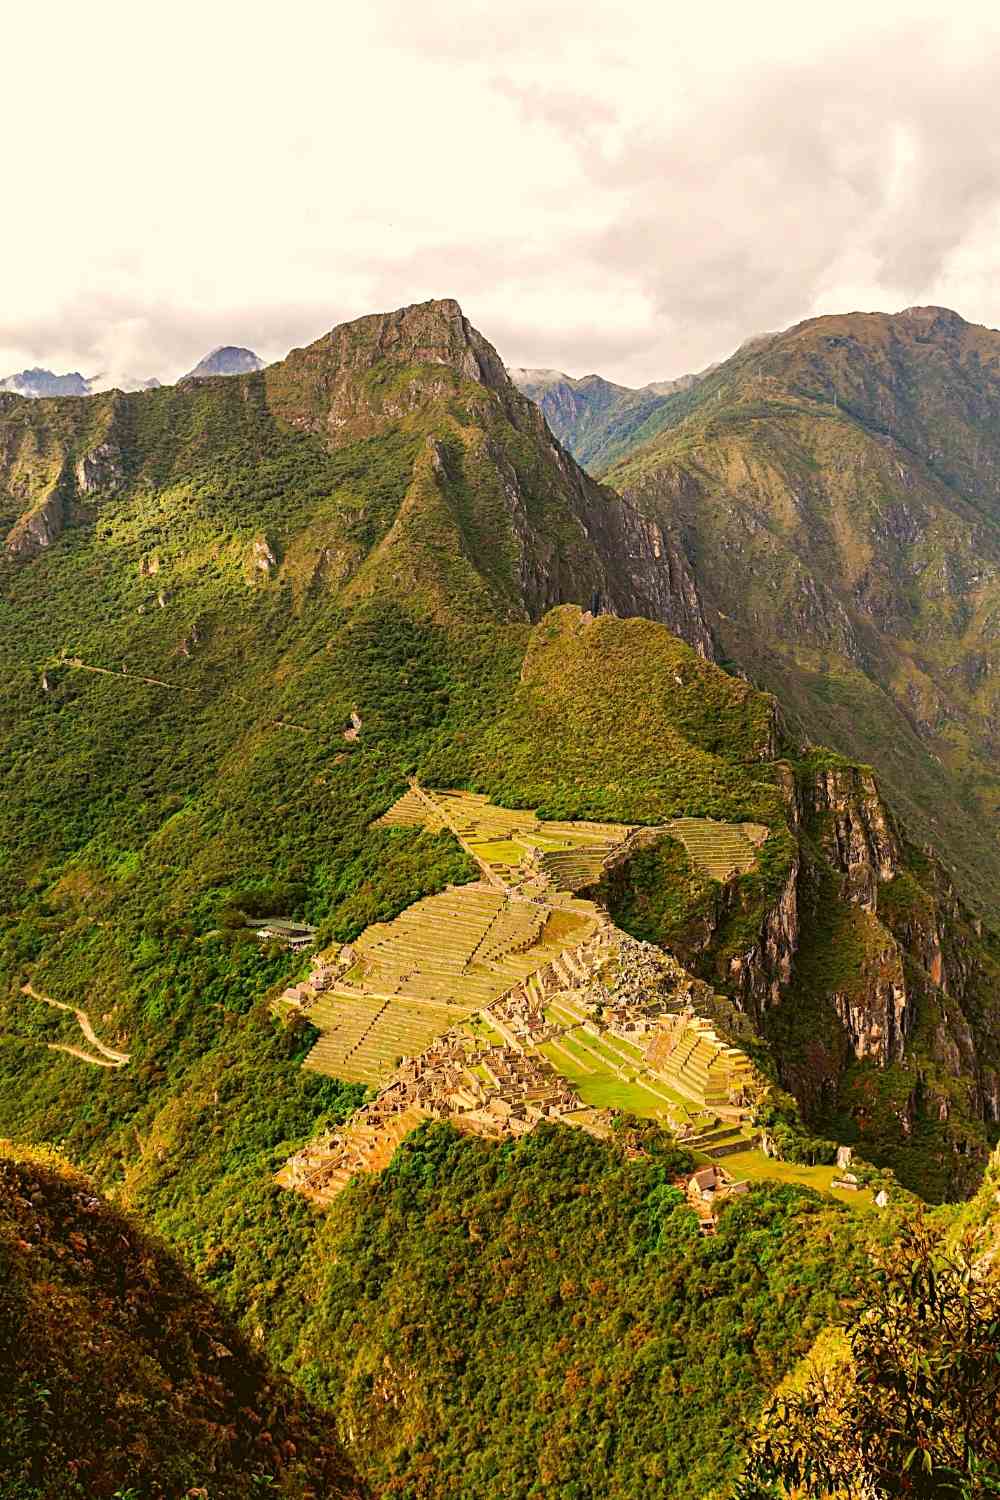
(243, 619)
(119, 1374)
(37, 382)
(600, 422)
(370, 527)
(833, 491)
(226, 360)
(592, 417)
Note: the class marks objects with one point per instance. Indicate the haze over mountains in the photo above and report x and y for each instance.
(38, 383)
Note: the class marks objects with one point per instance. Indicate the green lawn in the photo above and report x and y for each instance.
(602, 1089)
(758, 1167)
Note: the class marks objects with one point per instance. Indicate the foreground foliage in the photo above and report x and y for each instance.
(908, 1403)
(119, 1376)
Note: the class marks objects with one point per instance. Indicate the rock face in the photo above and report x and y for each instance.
(262, 559)
(898, 980)
(858, 837)
(38, 529)
(567, 538)
(100, 469)
(37, 383)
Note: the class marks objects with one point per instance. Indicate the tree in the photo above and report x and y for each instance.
(910, 1406)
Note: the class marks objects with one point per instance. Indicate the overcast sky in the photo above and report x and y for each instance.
(631, 187)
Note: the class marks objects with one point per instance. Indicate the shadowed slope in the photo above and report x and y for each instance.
(117, 1370)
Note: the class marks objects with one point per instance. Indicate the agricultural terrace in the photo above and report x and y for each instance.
(453, 954)
(512, 844)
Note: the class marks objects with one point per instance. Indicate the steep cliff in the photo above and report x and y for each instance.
(834, 490)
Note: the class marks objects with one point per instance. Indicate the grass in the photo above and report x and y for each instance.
(594, 1076)
(757, 1167)
(498, 851)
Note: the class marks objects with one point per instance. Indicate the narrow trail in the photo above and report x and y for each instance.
(98, 1062)
(172, 687)
(435, 807)
(110, 1057)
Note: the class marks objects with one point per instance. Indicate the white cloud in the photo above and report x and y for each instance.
(629, 189)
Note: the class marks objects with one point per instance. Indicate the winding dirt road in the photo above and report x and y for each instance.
(110, 1056)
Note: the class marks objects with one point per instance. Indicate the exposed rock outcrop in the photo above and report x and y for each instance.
(101, 469)
(262, 558)
(856, 830)
(39, 528)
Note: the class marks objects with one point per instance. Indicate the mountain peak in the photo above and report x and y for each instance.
(433, 332)
(37, 383)
(227, 359)
(932, 314)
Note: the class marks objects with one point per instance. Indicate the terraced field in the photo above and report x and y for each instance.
(362, 1039)
(507, 841)
(441, 960)
(455, 953)
(697, 1064)
(570, 856)
(719, 850)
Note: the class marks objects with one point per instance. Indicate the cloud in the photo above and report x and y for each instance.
(628, 189)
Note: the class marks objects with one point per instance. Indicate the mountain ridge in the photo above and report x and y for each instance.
(39, 384)
(906, 398)
(246, 615)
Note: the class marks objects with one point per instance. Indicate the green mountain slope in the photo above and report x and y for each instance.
(120, 1377)
(543, 1316)
(235, 618)
(596, 420)
(834, 489)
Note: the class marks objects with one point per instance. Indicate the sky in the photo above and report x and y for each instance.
(632, 189)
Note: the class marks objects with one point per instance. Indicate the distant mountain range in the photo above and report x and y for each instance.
(35, 383)
(598, 421)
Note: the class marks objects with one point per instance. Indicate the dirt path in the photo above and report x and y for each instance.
(98, 1062)
(172, 687)
(111, 1057)
(435, 807)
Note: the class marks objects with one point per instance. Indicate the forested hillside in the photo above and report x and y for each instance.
(239, 615)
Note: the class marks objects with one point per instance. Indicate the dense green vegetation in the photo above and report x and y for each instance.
(904, 1401)
(542, 1317)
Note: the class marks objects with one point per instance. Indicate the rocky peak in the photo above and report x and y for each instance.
(435, 332)
(37, 383)
(228, 359)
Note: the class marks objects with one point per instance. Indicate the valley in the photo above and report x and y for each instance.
(440, 918)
